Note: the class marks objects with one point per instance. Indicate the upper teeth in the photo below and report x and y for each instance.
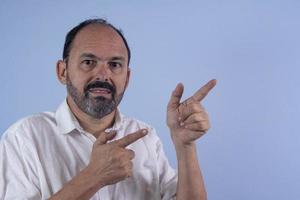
(100, 89)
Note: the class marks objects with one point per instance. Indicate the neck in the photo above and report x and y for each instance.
(88, 123)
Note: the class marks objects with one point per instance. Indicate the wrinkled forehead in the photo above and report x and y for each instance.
(101, 39)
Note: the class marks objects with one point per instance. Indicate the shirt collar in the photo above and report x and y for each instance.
(67, 122)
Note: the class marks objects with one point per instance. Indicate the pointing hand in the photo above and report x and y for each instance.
(188, 120)
(111, 162)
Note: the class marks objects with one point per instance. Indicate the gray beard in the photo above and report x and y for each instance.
(96, 107)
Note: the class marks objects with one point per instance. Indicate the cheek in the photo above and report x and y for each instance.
(77, 81)
(121, 84)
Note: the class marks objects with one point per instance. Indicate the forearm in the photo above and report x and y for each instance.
(83, 187)
(190, 182)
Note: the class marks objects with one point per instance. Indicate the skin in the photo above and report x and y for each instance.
(104, 43)
(188, 121)
(112, 162)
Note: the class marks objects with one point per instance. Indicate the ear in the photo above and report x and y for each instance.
(61, 71)
(127, 77)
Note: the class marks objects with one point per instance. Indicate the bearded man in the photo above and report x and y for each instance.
(88, 149)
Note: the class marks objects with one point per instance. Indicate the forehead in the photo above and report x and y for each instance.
(101, 40)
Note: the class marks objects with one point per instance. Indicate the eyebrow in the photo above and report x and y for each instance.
(90, 55)
(118, 58)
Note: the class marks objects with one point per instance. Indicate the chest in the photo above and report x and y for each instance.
(63, 159)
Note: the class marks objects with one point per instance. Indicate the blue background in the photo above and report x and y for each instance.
(251, 47)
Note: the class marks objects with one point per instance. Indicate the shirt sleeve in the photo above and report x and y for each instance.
(16, 180)
(167, 175)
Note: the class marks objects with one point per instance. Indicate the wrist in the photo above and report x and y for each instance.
(180, 141)
(94, 176)
(185, 148)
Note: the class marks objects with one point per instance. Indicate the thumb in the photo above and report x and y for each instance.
(104, 137)
(176, 96)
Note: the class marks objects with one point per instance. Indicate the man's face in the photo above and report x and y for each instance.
(97, 70)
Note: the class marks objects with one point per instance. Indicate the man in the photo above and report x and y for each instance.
(87, 149)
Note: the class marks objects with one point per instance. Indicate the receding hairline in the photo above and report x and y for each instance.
(103, 26)
(69, 39)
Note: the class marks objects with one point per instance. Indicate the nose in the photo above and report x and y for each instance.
(102, 72)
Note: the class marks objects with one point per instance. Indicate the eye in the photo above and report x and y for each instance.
(115, 64)
(88, 62)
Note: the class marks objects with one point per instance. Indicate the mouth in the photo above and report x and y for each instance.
(99, 91)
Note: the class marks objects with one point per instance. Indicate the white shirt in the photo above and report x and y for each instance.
(40, 153)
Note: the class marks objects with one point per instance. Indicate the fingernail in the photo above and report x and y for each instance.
(145, 131)
(181, 123)
(179, 118)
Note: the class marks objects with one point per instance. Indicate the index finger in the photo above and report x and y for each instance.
(204, 90)
(131, 138)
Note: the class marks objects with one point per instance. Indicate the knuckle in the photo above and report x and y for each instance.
(194, 106)
(205, 127)
(202, 124)
(123, 164)
(202, 109)
(198, 117)
(131, 153)
(206, 115)
(123, 173)
(129, 173)
(130, 165)
(199, 126)
(208, 126)
(126, 171)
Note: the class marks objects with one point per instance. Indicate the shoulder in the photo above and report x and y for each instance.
(133, 124)
(26, 127)
(130, 121)
(130, 125)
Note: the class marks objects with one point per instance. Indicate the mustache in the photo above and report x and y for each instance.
(101, 84)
